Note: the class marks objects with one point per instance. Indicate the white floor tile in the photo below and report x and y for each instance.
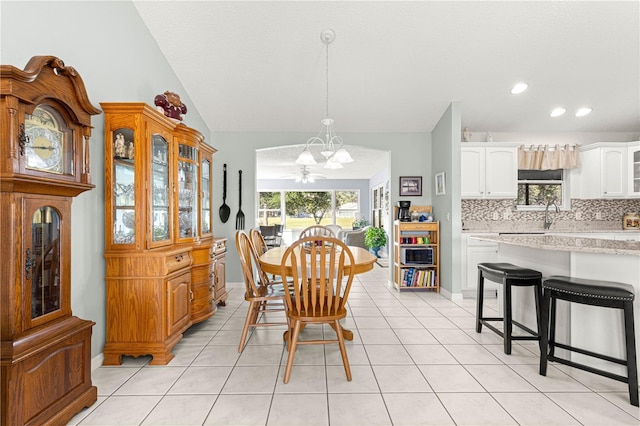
(122, 410)
(233, 410)
(533, 409)
(304, 379)
(499, 378)
(388, 355)
(299, 410)
(416, 409)
(592, 409)
(151, 381)
(182, 410)
(450, 378)
(201, 380)
(400, 378)
(475, 409)
(358, 409)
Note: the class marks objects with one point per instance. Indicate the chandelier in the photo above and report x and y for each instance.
(332, 145)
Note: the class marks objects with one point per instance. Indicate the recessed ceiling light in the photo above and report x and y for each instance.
(557, 112)
(519, 88)
(583, 111)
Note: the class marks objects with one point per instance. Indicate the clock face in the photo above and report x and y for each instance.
(46, 141)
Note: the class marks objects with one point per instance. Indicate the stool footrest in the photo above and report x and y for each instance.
(583, 367)
(589, 353)
(500, 333)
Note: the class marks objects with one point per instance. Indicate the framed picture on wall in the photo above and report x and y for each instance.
(440, 184)
(410, 186)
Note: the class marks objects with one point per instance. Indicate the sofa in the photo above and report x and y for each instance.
(355, 238)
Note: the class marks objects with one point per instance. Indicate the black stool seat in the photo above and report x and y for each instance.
(606, 294)
(509, 275)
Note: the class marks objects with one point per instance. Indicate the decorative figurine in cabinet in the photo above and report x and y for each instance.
(148, 276)
(45, 351)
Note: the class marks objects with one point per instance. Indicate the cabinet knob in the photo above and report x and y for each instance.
(191, 295)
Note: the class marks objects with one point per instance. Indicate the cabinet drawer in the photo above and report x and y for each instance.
(177, 261)
(220, 246)
(410, 226)
(202, 290)
(201, 274)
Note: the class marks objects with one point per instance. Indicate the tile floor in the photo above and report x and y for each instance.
(416, 360)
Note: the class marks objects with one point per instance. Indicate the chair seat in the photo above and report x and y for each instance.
(590, 288)
(307, 315)
(503, 270)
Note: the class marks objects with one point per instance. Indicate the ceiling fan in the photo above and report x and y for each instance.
(305, 176)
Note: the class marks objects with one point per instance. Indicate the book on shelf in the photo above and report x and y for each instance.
(413, 277)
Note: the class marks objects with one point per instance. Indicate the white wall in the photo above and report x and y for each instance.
(410, 155)
(109, 46)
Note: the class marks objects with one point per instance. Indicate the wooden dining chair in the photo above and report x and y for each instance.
(318, 291)
(258, 241)
(262, 298)
(318, 230)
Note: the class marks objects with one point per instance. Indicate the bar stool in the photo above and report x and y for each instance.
(508, 275)
(596, 293)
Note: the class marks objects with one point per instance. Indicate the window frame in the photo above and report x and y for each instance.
(565, 189)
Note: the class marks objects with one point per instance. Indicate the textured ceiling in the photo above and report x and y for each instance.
(395, 66)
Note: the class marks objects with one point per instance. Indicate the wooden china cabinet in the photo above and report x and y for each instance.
(159, 246)
(45, 117)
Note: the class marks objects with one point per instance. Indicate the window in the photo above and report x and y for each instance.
(300, 209)
(538, 187)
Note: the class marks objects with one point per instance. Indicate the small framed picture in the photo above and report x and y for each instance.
(440, 184)
(410, 186)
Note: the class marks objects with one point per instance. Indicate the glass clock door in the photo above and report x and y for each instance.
(187, 191)
(160, 203)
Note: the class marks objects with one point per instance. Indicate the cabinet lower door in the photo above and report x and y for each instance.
(178, 303)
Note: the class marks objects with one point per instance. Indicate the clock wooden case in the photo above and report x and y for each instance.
(45, 118)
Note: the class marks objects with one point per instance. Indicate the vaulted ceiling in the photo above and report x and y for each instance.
(395, 66)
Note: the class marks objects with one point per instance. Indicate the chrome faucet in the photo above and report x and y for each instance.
(548, 220)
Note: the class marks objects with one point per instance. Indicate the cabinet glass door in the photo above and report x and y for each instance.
(124, 214)
(206, 197)
(160, 202)
(187, 191)
(634, 153)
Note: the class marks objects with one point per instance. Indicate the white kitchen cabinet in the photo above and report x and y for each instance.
(633, 167)
(477, 251)
(489, 171)
(609, 170)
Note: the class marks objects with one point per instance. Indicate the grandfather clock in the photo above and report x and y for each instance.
(45, 122)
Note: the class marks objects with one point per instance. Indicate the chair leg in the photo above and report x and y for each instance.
(293, 340)
(507, 325)
(544, 333)
(251, 313)
(480, 301)
(343, 350)
(537, 292)
(552, 325)
(632, 367)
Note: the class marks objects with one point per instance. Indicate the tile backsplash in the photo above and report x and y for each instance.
(585, 215)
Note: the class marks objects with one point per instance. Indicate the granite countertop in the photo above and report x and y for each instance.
(565, 243)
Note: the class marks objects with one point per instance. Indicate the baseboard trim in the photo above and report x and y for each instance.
(97, 361)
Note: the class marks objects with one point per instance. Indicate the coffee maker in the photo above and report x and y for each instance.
(403, 211)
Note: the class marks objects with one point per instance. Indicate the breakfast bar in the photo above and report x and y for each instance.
(590, 327)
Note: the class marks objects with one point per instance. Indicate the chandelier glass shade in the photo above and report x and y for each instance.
(331, 145)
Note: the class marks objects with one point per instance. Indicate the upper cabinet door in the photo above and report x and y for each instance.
(489, 172)
(472, 183)
(633, 165)
(501, 173)
(613, 166)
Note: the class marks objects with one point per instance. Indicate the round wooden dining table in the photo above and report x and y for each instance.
(271, 260)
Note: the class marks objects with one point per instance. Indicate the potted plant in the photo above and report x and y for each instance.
(374, 239)
(359, 223)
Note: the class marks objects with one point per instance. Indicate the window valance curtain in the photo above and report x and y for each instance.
(545, 157)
